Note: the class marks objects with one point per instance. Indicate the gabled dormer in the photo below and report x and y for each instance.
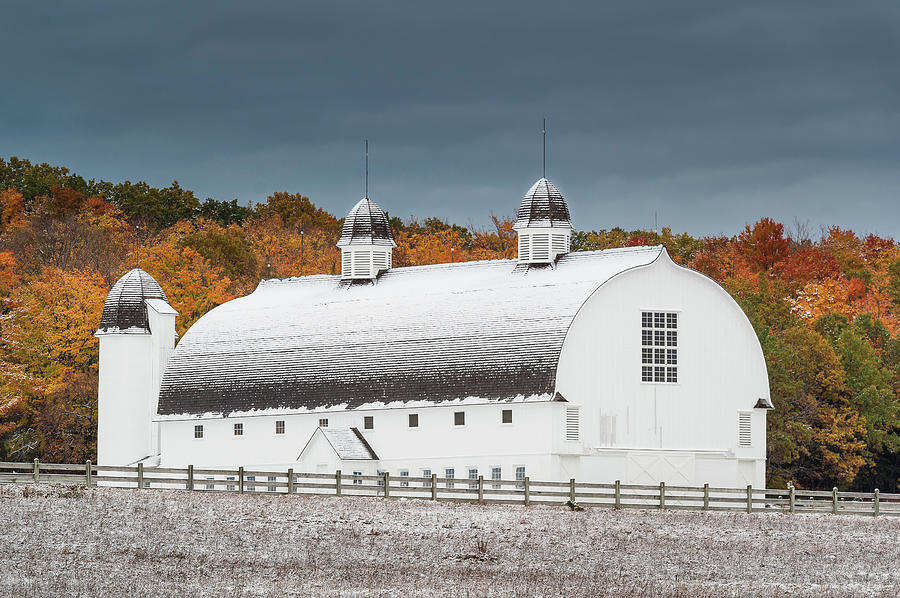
(366, 242)
(543, 224)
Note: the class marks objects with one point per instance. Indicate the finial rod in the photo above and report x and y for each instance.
(367, 169)
(545, 150)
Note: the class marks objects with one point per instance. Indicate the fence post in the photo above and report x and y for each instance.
(291, 480)
(337, 482)
(241, 479)
(527, 491)
(662, 496)
(749, 498)
(481, 489)
(875, 504)
(140, 478)
(834, 501)
(37, 470)
(434, 486)
(572, 489)
(190, 483)
(706, 496)
(791, 496)
(387, 485)
(618, 495)
(87, 474)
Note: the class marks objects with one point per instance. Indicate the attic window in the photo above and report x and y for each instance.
(414, 421)
(659, 347)
(368, 422)
(459, 418)
(279, 426)
(198, 431)
(506, 416)
(238, 429)
(323, 423)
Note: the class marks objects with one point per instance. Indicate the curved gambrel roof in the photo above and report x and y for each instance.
(474, 330)
(366, 224)
(543, 206)
(124, 309)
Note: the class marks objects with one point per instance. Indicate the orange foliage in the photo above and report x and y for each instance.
(763, 245)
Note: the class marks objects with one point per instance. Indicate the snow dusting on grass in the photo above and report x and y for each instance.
(72, 542)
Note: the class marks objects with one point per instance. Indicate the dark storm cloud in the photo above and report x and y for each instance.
(710, 114)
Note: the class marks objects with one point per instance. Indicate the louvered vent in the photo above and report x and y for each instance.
(380, 261)
(744, 429)
(362, 263)
(540, 248)
(573, 424)
(346, 261)
(524, 253)
(560, 244)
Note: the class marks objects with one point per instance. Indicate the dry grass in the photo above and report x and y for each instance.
(112, 542)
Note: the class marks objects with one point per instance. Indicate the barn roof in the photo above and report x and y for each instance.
(124, 310)
(543, 205)
(366, 224)
(449, 332)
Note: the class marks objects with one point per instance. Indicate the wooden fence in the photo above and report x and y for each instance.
(526, 491)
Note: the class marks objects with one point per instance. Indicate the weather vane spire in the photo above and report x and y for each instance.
(545, 149)
(367, 169)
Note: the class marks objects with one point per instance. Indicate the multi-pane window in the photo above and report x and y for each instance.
(413, 420)
(271, 478)
(426, 473)
(473, 477)
(198, 431)
(520, 476)
(450, 474)
(459, 418)
(251, 478)
(368, 422)
(495, 477)
(380, 474)
(357, 480)
(210, 486)
(404, 473)
(659, 347)
(229, 486)
(238, 429)
(506, 416)
(279, 426)
(323, 423)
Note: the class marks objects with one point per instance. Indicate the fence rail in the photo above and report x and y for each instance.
(526, 491)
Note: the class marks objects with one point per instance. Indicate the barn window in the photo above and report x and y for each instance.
(473, 477)
(520, 477)
(495, 477)
(210, 486)
(251, 478)
(279, 426)
(229, 486)
(745, 437)
(357, 481)
(323, 423)
(459, 418)
(198, 431)
(271, 478)
(238, 429)
(659, 347)
(404, 473)
(413, 420)
(506, 416)
(426, 473)
(450, 474)
(380, 474)
(368, 422)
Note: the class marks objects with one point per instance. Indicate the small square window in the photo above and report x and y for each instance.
(659, 356)
(357, 481)
(414, 421)
(368, 422)
(198, 431)
(323, 423)
(659, 338)
(659, 374)
(459, 418)
(671, 356)
(238, 429)
(671, 320)
(659, 320)
(671, 374)
(279, 426)
(646, 337)
(647, 319)
(646, 373)
(672, 338)
(506, 416)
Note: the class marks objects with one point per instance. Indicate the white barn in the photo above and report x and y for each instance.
(601, 366)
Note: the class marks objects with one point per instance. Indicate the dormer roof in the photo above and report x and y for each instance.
(125, 310)
(366, 224)
(543, 206)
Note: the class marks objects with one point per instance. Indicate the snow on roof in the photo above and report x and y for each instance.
(366, 224)
(348, 443)
(425, 333)
(543, 205)
(124, 310)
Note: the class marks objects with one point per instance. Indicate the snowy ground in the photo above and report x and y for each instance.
(113, 542)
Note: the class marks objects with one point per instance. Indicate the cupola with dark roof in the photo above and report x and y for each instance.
(543, 224)
(125, 309)
(366, 242)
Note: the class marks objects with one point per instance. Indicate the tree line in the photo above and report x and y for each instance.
(826, 309)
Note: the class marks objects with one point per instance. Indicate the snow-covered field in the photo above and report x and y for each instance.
(69, 542)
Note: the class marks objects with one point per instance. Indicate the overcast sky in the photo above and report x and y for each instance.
(708, 114)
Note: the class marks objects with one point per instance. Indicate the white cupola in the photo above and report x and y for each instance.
(543, 224)
(366, 242)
